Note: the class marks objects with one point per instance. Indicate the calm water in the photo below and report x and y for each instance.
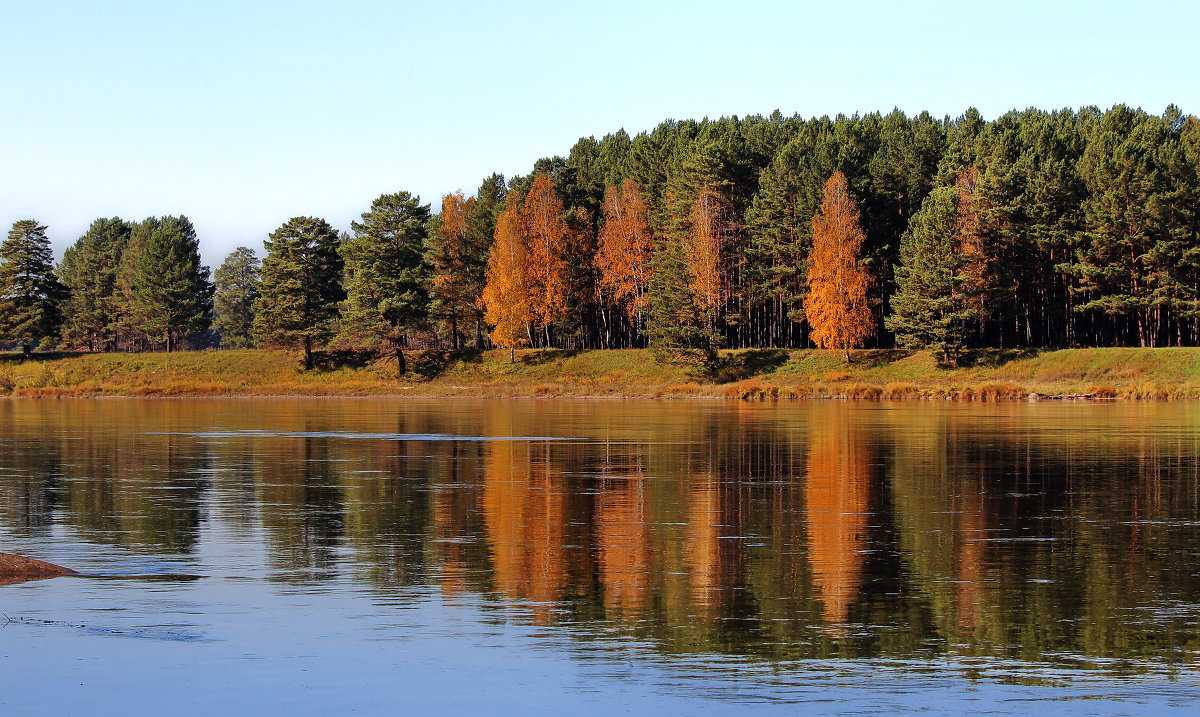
(643, 557)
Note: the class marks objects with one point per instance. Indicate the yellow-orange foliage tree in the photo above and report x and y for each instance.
(625, 247)
(709, 233)
(543, 224)
(452, 280)
(836, 304)
(506, 297)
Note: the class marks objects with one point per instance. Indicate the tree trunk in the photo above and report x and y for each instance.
(401, 366)
(846, 353)
(512, 355)
(308, 361)
(454, 343)
(170, 341)
(26, 350)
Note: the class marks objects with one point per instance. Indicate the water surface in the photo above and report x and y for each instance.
(599, 556)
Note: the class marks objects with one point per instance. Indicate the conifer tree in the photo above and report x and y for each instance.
(89, 272)
(387, 278)
(127, 323)
(481, 231)
(30, 293)
(301, 286)
(836, 304)
(933, 303)
(171, 288)
(506, 296)
(237, 287)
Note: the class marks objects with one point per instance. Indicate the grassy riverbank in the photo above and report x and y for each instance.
(1120, 373)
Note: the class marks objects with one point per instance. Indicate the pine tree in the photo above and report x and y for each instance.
(933, 303)
(301, 286)
(127, 321)
(836, 304)
(30, 293)
(237, 287)
(172, 291)
(387, 277)
(506, 297)
(89, 272)
(481, 231)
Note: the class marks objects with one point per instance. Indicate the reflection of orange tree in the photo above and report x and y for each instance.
(525, 514)
(623, 542)
(836, 493)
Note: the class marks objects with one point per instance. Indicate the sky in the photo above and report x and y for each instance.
(243, 114)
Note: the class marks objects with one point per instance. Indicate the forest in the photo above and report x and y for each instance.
(1044, 229)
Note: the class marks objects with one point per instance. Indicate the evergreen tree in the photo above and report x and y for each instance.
(300, 286)
(932, 304)
(237, 287)
(127, 321)
(481, 230)
(387, 277)
(89, 272)
(30, 293)
(171, 288)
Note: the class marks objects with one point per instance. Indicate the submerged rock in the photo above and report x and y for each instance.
(15, 569)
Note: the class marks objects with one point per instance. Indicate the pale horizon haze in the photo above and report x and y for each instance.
(241, 115)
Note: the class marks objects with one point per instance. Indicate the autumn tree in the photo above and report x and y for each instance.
(541, 220)
(454, 283)
(387, 277)
(30, 293)
(836, 304)
(237, 287)
(708, 236)
(301, 286)
(624, 251)
(506, 295)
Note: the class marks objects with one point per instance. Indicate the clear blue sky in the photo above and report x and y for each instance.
(243, 114)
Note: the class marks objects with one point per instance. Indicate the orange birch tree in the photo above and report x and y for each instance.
(968, 227)
(547, 233)
(451, 272)
(625, 247)
(836, 304)
(707, 238)
(506, 297)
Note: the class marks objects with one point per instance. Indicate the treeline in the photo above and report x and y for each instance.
(1037, 229)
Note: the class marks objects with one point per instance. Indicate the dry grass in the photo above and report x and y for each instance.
(1127, 374)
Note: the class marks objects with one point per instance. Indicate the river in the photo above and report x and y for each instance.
(312, 556)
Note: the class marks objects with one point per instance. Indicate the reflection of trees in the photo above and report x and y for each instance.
(301, 499)
(786, 531)
(835, 492)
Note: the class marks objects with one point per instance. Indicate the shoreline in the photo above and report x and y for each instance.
(1081, 375)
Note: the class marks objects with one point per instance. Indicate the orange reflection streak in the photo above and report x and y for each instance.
(624, 544)
(524, 513)
(703, 551)
(969, 557)
(836, 496)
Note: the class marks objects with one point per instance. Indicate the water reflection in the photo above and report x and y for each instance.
(792, 532)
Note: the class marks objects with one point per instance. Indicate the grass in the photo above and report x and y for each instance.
(1108, 374)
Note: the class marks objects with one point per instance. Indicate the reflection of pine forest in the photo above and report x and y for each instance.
(1042, 229)
(785, 532)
